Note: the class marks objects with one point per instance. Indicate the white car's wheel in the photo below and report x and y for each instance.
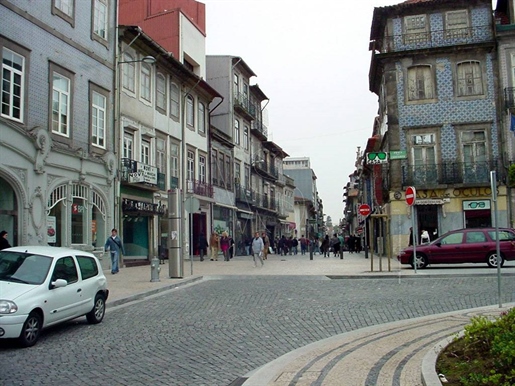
(31, 330)
(98, 311)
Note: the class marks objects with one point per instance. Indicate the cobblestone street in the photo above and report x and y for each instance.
(216, 331)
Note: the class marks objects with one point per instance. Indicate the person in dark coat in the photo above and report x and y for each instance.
(4, 243)
(202, 245)
(324, 248)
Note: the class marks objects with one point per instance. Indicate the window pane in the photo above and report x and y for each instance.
(78, 221)
(12, 84)
(100, 19)
(60, 106)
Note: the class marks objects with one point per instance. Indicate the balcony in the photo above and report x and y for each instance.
(200, 188)
(434, 39)
(260, 130)
(137, 173)
(509, 97)
(450, 173)
(243, 106)
(244, 195)
(266, 170)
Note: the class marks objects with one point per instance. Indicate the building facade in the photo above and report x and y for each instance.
(57, 163)
(434, 69)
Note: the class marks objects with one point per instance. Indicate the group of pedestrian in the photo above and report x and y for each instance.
(354, 244)
(224, 243)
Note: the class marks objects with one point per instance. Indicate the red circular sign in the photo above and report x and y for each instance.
(411, 195)
(364, 209)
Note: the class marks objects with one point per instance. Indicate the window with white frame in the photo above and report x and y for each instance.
(174, 159)
(237, 172)
(236, 132)
(236, 84)
(246, 137)
(202, 168)
(457, 24)
(190, 112)
(191, 166)
(146, 82)
(98, 119)
(174, 100)
(145, 152)
(201, 118)
(64, 9)
(129, 72)
(13, 85)
(65, 6)
(423, 157)
(474, 149)
(420, 83)
(60, 104)
(469, 78)
(128, 145)
(100, 19)
(415, 29)
(161, 92)
(161, 155)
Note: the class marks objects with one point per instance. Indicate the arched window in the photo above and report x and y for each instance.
(174, 100)
(469, 78)
(201, 118)
(76, 215)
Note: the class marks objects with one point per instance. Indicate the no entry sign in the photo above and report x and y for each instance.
(411, 195)
(364, 209)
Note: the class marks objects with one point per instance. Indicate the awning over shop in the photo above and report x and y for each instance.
(245, 214)
(227, 206)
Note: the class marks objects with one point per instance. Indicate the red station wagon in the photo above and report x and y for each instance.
(471, 245)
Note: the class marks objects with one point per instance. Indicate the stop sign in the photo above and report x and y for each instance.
(411, 195)
(364, 209)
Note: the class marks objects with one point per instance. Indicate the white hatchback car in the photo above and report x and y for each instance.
(41, 286)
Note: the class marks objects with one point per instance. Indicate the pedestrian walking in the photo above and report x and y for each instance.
(424, 237)
(351, 243)
(325, 246)
(335, 245)
(4, 243)
(231, 247)
(266, 245)
(114, 245)
(282, 246)
(224, 245)
(303, 245)
(410, 241)
(257, 249)
(214, 244)
(202, 245)
(295, 245)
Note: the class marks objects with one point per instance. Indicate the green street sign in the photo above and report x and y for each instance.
(398, 154)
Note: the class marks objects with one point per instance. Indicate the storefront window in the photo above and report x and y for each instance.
(86, 221)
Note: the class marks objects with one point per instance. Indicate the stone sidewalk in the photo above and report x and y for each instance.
(388, 354)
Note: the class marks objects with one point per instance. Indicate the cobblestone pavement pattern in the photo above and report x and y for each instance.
(216, 331)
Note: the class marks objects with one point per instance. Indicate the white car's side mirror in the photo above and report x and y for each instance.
(59, 283)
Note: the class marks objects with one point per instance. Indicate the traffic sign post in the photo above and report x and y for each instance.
(411, 198)
(365, 210)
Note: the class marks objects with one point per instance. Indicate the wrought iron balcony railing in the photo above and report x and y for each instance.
(259, 127)
(433, 39)
(243, 104)
(244, 195)
(450, 173)
(200, 188)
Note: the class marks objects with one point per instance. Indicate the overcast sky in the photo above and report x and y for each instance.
(312, 60)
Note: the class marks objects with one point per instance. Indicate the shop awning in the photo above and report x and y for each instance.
(244, 211)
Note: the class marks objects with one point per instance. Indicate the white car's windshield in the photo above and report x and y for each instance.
(22, 267)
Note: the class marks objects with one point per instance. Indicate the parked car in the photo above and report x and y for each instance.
(471, 245)
(41, 286)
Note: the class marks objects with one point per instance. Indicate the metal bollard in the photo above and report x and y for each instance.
(311, 247)
(154, 269)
